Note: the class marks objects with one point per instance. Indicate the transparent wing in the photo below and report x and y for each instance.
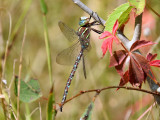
(69, 55)
(87, 50)
(69, 33)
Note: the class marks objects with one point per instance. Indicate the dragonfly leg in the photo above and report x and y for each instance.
(93, 23)
(91, 16)
(99, 20)
(96, 22)
(97, 31)
(84, 68)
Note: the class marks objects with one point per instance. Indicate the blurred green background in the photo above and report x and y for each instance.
(110, 104)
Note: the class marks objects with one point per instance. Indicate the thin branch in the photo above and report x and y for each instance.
(125, 41)
(137, 30)
(89, 11)
(110, 87)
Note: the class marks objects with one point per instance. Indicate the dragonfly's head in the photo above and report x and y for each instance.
(83, 21)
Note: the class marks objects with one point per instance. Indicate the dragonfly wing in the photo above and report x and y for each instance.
(68, 55)
(68, 32)
(85, 51)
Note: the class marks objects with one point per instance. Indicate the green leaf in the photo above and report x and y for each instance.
(51, 113)
(121, 13)
(29, 91)
(139, 5)
(124, 16)
(87, 114)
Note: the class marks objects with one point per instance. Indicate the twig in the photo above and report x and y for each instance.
(125, 41)
(19, 74)
(137, 29)
(110, 87)
(89, 11)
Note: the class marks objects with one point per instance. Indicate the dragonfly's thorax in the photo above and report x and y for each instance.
(84, 36)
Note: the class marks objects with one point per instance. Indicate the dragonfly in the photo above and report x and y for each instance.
(83, 45)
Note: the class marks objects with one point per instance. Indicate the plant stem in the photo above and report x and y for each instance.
(47, 49)
(52, 114)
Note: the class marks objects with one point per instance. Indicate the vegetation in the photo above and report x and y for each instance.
(32, 83)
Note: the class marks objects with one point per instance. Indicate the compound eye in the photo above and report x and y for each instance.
(83, 18)
(83, 21)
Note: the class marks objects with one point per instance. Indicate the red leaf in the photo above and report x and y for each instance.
(145, 65)
(151, 57)
(155, 63)
(117, 58)
(124, 79)
(107, 44)
(143, 62)
(116, 39)
(105, 34)
(120, 68)
(136, 74)
(115, 27)
(140, 43)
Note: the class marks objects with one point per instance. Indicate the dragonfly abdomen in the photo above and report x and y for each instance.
(71, 76)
